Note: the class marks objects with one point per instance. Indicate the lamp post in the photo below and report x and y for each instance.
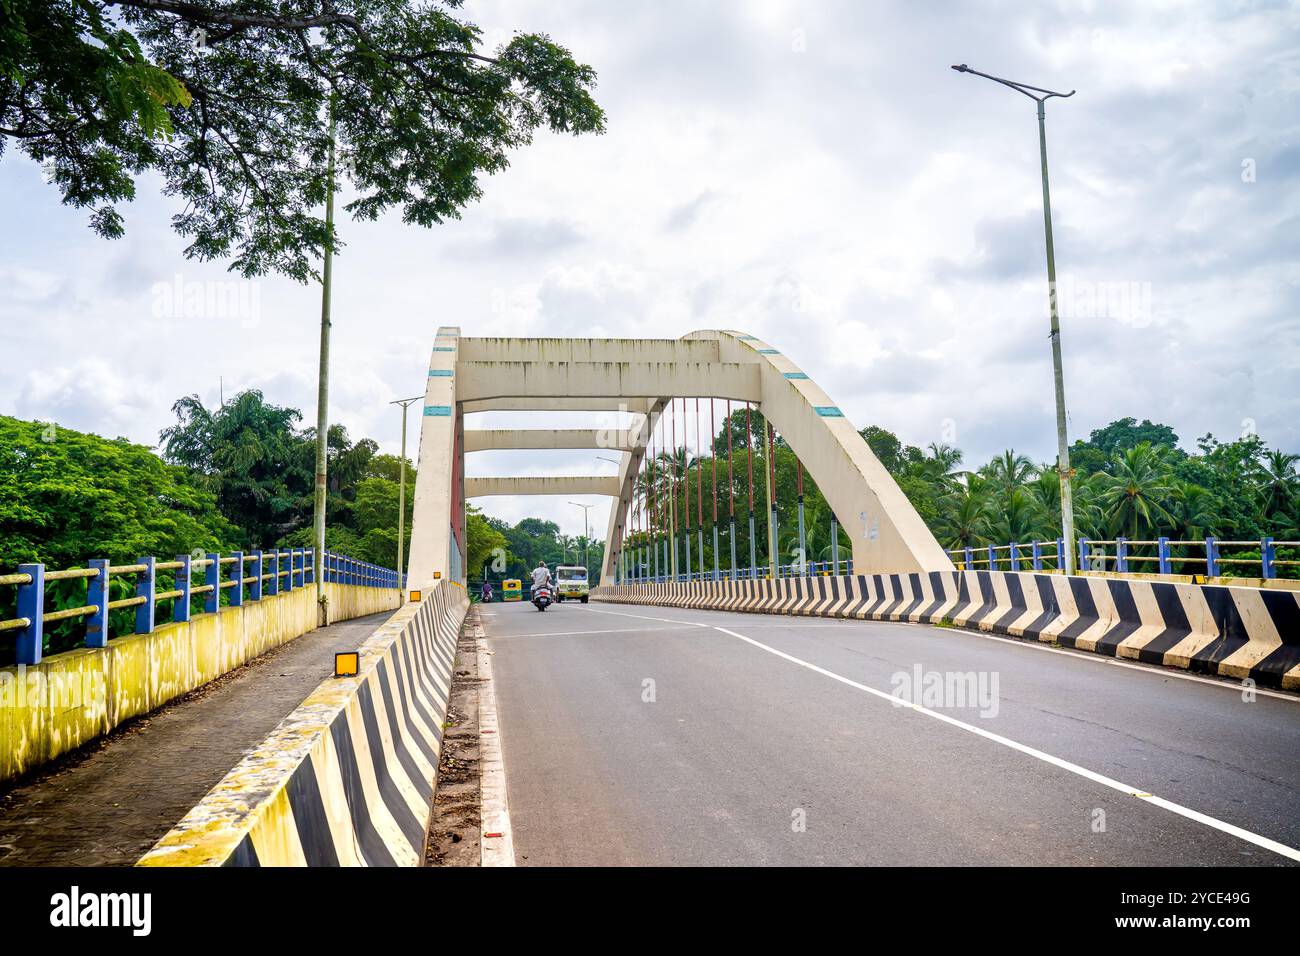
(1040, 96)
(401, 498)
(586, 534)
(320, 496)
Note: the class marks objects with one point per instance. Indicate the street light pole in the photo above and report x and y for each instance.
(586, 535)
(1040, 96)
(322, 387)
(401, 499)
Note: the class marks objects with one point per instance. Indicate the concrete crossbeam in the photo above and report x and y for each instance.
(526, 403)
(487, 439)
(740, 381)
(550, 485)
(586, 350)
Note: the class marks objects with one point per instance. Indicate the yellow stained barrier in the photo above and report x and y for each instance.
(69, 699)
(348, 778)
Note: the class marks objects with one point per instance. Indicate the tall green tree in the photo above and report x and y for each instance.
(225, 102)
(261, 467)
(1136, 489)
(1280, 483)
(250, 455)
(66, 496)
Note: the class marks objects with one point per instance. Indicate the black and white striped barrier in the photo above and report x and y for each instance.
(347, 779)
(1238, 632)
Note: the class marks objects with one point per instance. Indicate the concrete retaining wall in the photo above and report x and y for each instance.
(1236, 632)
(69, 699)
(347, 779)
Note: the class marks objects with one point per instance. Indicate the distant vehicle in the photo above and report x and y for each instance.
(542, 596)
(571, 582)
(511, 590)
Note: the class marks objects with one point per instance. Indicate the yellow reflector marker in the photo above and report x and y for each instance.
(347, 664)
(415, 595)
(437, 575)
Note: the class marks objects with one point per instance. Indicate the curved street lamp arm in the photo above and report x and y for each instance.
(1018, 87)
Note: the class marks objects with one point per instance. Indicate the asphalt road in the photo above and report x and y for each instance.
(637, 735)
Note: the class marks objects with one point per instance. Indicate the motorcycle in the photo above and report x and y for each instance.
(543, 597)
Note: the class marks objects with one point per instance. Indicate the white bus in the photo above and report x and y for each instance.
(571, 582)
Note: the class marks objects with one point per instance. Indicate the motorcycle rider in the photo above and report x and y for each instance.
(541, 576)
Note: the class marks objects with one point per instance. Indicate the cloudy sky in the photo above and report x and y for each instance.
(813, 173)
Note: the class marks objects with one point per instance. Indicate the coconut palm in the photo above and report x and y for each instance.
(1281, 484)
(942, 465)
(1016, 520)
(964, 513)
(1010, 471)
(1135, 490)
(1090, 516)
(1192, 512)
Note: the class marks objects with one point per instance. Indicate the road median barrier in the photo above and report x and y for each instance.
(347, 779)
(1228, 631)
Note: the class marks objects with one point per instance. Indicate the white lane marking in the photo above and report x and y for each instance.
(1261, 841)
(1154, 670)
(494, 813)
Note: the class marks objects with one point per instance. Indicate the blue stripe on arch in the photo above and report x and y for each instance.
(439, 373)
(437, 410)
(796, 374)
(828, 411)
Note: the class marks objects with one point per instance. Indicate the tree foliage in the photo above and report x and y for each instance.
(261, 468)
(1131, 479)
(66, 496)
(226, 100)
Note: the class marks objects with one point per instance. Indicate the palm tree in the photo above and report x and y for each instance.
(1281, 484)
(964, 513)
(1010, 471)
(942, 465)
(1017, 520)
(1090, 520)
(1193, 512)
(1135, 490)
(1045, 490)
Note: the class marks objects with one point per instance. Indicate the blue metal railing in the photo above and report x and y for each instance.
(1025, 556)
(645, 575)
(1117, 555)
(251, 576)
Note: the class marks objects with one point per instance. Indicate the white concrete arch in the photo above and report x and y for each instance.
(468, 375)
(887, 533)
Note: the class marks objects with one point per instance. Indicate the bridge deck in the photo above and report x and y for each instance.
(743, 736)
(109, 803)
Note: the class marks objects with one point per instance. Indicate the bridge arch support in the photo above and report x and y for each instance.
(886, 531)
(468, 375)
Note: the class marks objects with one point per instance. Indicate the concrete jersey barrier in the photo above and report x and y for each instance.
(1226, 631)
(347, 779)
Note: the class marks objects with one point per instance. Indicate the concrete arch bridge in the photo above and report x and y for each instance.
(639, 377)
